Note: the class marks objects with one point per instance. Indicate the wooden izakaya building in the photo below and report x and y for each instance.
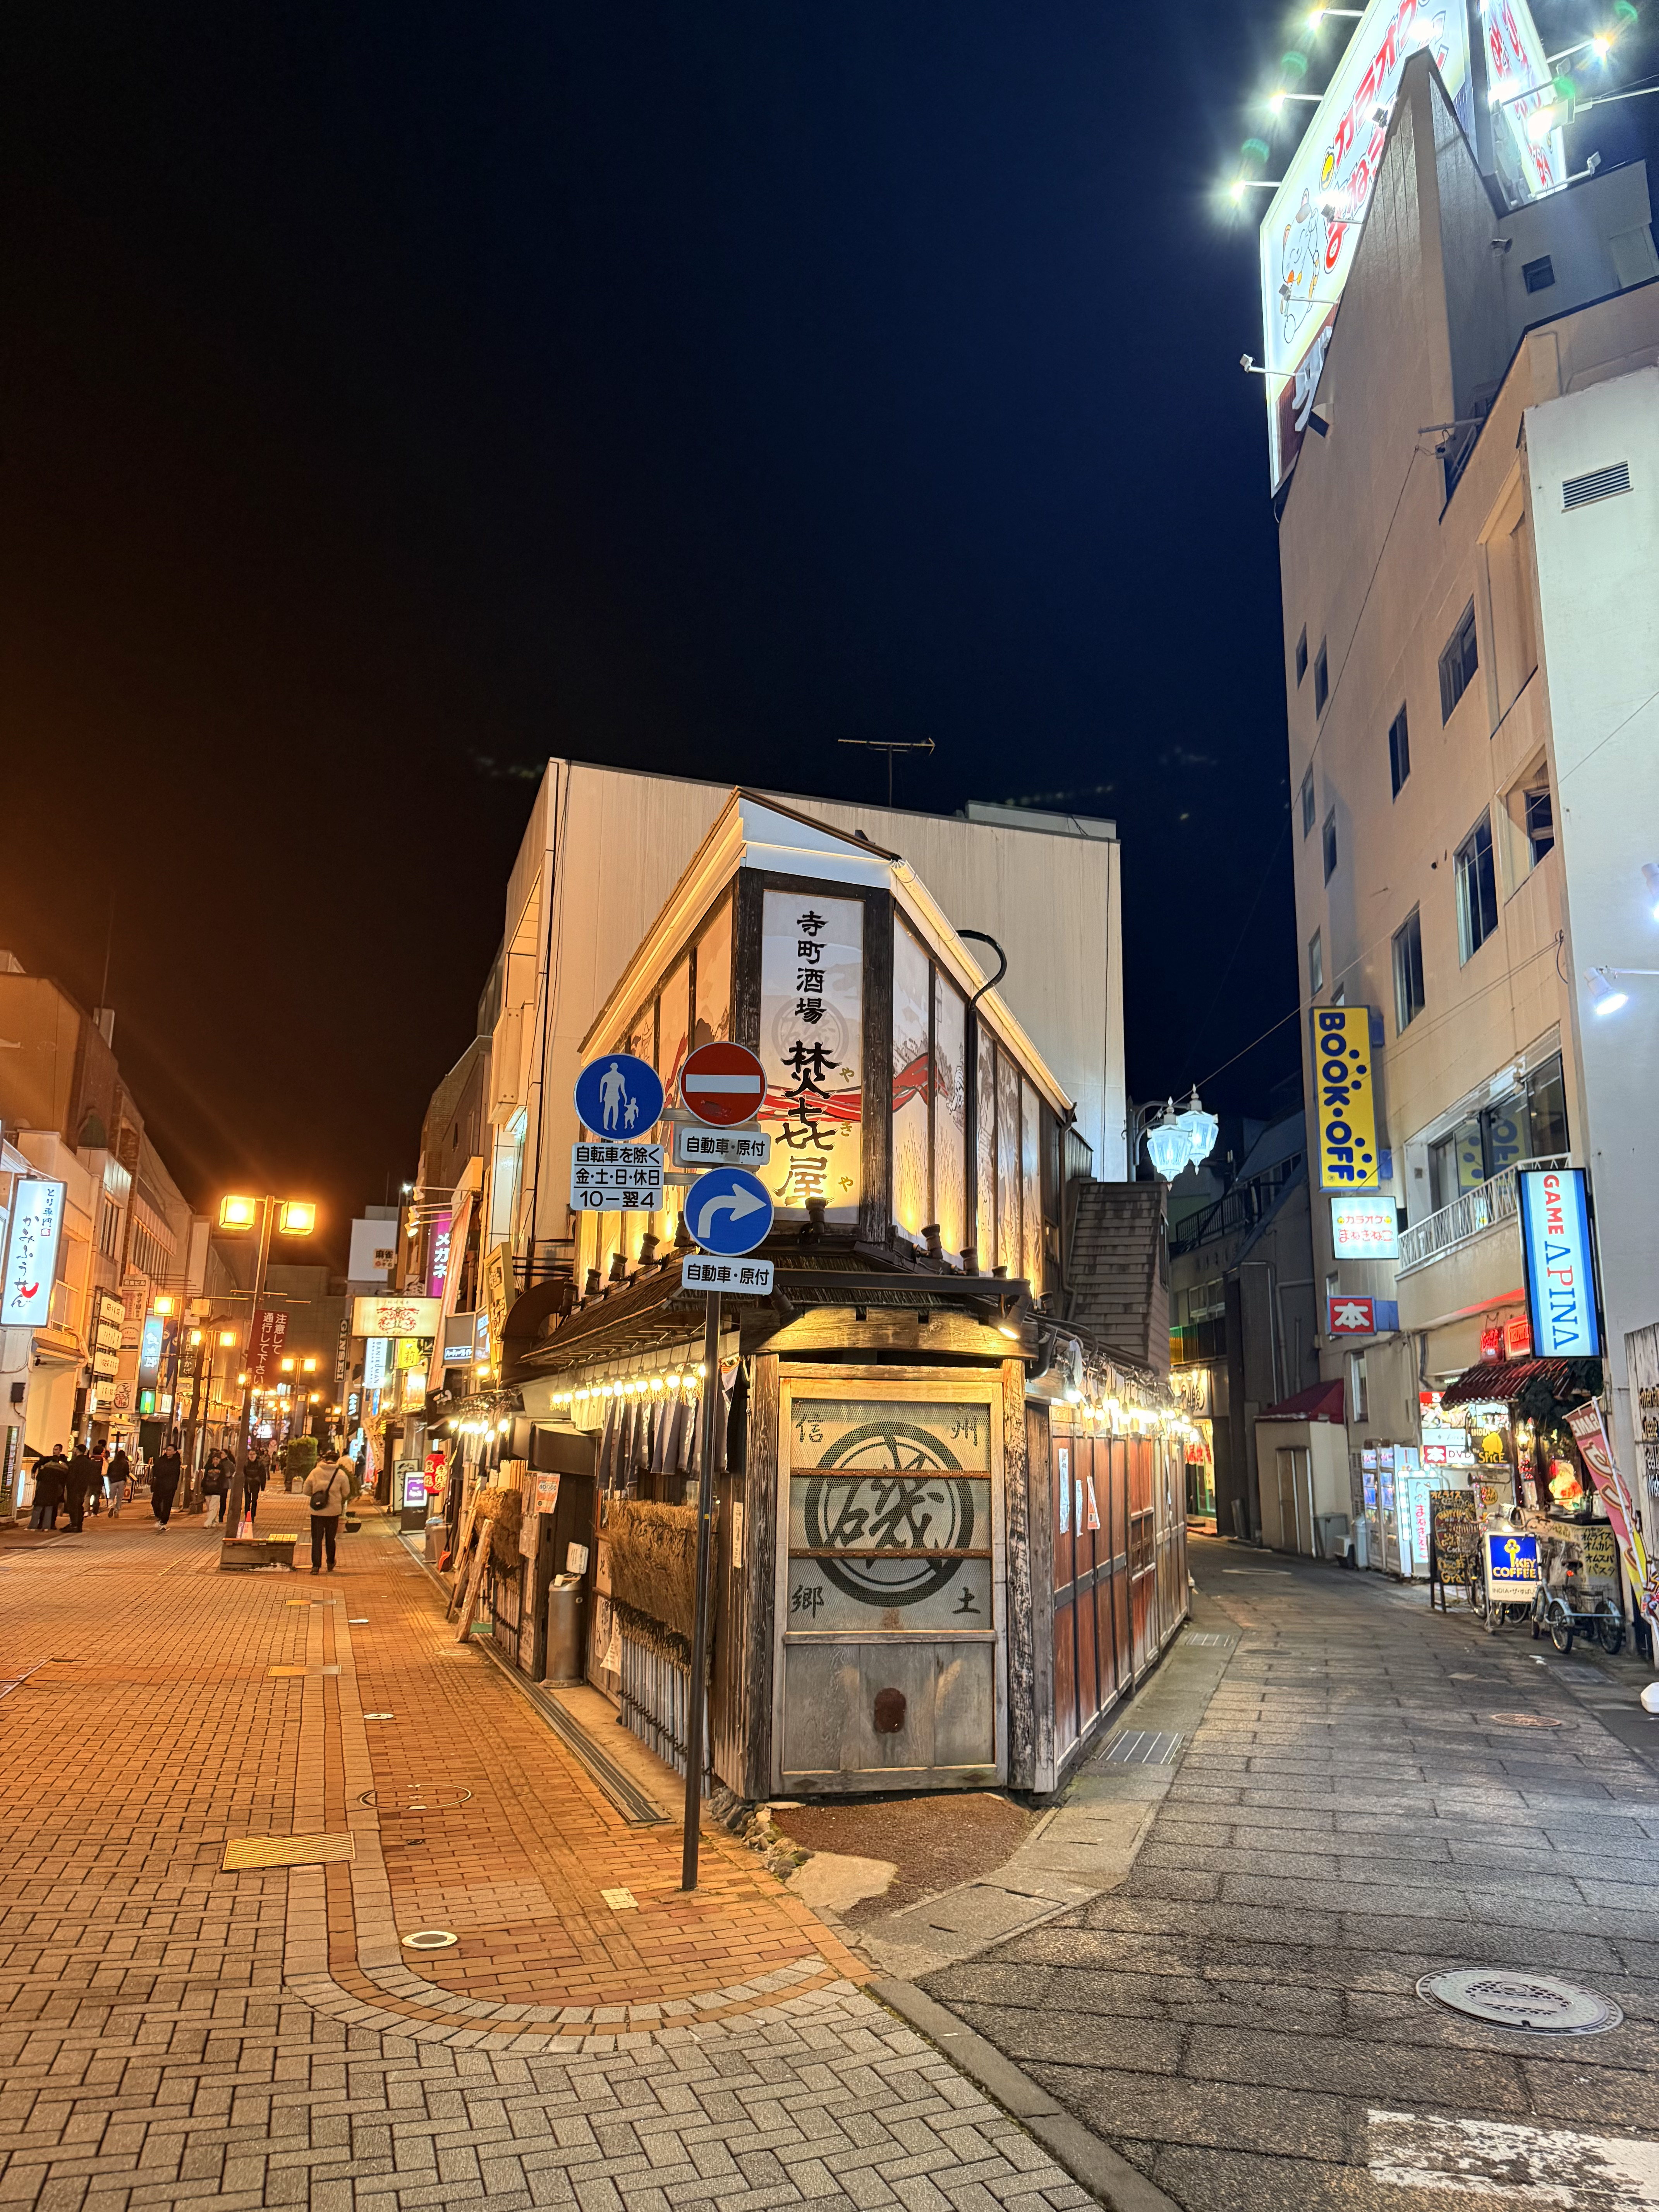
(951, 1529)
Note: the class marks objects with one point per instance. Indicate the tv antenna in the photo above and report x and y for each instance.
(890, 746)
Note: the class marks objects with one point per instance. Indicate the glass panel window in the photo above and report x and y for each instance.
(1330, 844)
(1546, 1112)
(949, 1116)
(1408, 971)
(714, 1013)
(1322, 680)
(1316, 965)
(1308, 808)
(985, 1150)
(1477, 890)
(1505, 1128)
(912, 1088)
(1539, 817)
(1302, 654)
(1456, 1162)
(1399, 751)
(1458, 663)
(1008, 1238)
(1030, 1181)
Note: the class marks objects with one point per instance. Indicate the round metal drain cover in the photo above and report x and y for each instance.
(429, 1939)
(415, 1801)
(1535, 2001)
(1526, 1720)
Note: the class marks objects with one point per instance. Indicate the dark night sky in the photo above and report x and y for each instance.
(390, 389)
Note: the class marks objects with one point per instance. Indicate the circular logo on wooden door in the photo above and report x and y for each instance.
(913, 1503)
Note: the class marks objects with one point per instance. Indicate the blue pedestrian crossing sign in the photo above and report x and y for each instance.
(728, 1211)
(619, 1096)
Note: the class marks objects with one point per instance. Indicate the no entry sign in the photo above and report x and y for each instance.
(723, 1084)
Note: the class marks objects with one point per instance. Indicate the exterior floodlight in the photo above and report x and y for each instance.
(287, 1366)
(238, 1213)
(242, 1379)
(1167, 1146)
(227, 1338)
(1650, 878)
(1601, 46)
(194, 1338)
(1201, 1129)
(307, 1367)
(161, 1306)
(1605, 997)
(296, 1218)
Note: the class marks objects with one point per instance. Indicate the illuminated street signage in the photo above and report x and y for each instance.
(396, 1317)
(1560, 1274)
(1345, 1108)
(1364, 1225)
(36, 1225)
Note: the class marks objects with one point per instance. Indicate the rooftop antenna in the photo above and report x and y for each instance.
(890, 746)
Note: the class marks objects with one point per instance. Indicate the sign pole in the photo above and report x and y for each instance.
(708, 1413)
(231, 1508)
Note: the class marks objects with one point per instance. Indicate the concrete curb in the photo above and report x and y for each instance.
(1105, 2173)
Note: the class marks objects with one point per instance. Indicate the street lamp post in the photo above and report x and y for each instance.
(297, 1219)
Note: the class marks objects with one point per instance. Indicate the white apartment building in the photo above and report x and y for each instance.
(1469, 554)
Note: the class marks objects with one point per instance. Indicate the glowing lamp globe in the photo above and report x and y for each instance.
(1167, 1146)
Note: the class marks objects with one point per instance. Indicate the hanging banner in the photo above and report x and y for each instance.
(1590, 1434)
(396, 1317)
(496, 1278)
(1348, 1158)
(267, 1334)
(1555, 1242)
(36, 1225)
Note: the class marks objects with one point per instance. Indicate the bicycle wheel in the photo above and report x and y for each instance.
(1610, 1633)
(1561, 1629)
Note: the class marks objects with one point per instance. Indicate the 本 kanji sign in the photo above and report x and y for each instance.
(812, 1049)
(615, 1178)
(1343, 1099)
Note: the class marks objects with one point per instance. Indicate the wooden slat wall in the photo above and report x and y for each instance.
(757, 1569)
(1031, 1571)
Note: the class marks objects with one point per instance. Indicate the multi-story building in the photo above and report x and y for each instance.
(1469, 552)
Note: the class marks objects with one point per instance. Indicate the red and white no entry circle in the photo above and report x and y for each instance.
(723, 1084)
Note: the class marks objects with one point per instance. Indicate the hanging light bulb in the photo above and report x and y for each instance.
(1167, 1144)
(1201, 1129)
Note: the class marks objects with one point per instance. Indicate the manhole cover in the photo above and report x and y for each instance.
(1536, 2001)
(1526, 1720)
(429, 1939)
(416, 1800)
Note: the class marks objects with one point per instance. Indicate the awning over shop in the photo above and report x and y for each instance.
(1502, 1380)
(1320, 1401)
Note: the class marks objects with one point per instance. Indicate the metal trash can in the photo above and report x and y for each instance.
(564, 1629)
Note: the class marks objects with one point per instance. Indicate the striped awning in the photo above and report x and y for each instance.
(1505, 1379)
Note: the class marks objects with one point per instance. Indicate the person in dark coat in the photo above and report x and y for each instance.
(99, 1470)
(255, 1476)
(164, 1472)
(216, 1484)
(49, 1478)
(78, 1479)
(119, 1474)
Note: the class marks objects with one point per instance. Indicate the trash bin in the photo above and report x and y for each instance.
(564, 1629)
(1331, 1538)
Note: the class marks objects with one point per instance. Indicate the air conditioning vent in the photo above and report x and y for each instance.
(1599, 483)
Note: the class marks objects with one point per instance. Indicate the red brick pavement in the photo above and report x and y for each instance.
(156, 1731)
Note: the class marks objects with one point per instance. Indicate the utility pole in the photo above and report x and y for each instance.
(890, 746)
(233, 1510)
(694, 1698)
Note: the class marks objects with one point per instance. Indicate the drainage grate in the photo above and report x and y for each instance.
(416, 1800)
(429, 1939)
(1142, 1747)
(1207, 1638)
(1525, 1720)
(1536, 2002)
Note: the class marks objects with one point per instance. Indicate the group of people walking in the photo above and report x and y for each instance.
(96, 1476)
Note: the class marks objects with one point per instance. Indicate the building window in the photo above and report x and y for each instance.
(1538, 276)
(1321, 681)
(1316, 965)
(1477, 890)
(1408, 971)
(1528, 1123)
(1359, 1407)
(1307, 803)
(1539, 821)
(1329, 843)
(1399, 751)
(1458, 663)
(1302, 654)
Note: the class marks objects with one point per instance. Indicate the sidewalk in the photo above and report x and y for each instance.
(175, 2031)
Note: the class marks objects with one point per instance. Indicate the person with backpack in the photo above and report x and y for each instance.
(326, 1494)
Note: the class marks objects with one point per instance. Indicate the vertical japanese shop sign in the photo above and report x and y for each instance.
(1344, 1099)
(812, 1046)
(37, 1224)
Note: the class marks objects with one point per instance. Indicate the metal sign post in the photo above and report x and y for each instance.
(693, 1703)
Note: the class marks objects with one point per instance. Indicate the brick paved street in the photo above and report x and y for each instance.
(1375, 1793)
(177, 2032)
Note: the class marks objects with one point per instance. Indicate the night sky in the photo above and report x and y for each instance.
(391, 396)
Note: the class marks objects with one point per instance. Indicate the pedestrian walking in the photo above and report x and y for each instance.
(216, 1488)
(96, 1496)
(78, 1479)
(120, 1471)
(49, 1473)
(164, 1472)
(254, 1479)
(327, 1492)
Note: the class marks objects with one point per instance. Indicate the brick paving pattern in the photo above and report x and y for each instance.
(175, 2033)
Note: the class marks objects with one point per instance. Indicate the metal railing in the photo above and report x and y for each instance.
(1472, 1211)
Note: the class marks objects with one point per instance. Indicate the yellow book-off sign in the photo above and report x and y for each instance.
(1343, 1099)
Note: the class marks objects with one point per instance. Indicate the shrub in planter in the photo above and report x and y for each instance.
(299, 1457)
